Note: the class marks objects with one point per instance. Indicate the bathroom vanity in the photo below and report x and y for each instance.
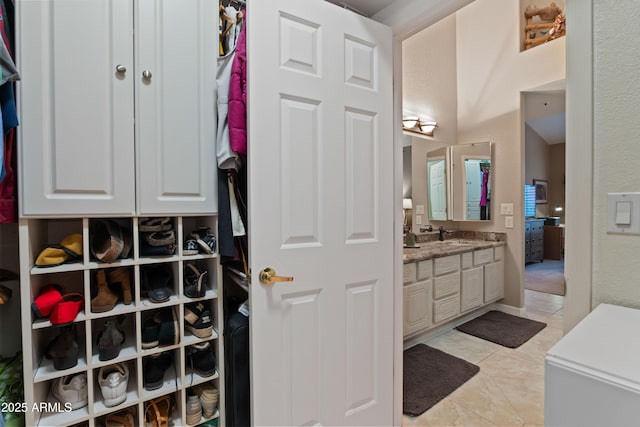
(445, 280)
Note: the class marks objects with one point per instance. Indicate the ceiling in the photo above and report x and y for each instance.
(545, 114)
(365, 7)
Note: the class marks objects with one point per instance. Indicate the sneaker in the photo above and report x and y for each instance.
(154, 368)
(197, 320)
(202, 359)
(208, 396)
(71, 389)
(194, 409)
(113, 382)
(206, 241)
(190, 247)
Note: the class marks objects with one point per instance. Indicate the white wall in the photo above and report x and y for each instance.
(616, 153)
(491, 74)
(429, 89)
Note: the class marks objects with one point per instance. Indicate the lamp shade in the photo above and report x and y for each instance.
(407, 204)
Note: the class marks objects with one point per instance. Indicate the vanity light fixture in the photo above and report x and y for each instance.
(413, 124)
(558, 208)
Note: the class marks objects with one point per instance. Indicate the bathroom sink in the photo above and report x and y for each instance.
(457, 242)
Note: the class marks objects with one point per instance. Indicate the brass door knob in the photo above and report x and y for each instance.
(268, 277)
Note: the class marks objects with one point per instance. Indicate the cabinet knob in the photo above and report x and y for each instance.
(121, 69)
(146, 74)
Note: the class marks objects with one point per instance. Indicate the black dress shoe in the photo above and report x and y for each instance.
(154, 368)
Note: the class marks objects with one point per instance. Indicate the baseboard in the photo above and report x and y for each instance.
(509, 309)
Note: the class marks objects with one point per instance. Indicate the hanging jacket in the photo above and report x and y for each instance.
(238, 96)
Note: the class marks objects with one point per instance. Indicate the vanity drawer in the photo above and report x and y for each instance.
(425, 269)
(498, 253)
(482, 256)
(409, 273)
(446, 265)
(446, 308)
(467, 260)
(446, 285)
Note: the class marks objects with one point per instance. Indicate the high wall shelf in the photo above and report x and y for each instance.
(79, 277)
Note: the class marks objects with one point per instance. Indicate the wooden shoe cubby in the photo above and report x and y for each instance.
(79, 276)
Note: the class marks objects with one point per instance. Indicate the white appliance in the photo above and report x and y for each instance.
(592, 375)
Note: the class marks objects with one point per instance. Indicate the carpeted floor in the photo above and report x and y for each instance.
(430, 375)
(547, 276)
(502, 328)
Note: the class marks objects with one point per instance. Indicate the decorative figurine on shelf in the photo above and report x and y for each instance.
(559, 28)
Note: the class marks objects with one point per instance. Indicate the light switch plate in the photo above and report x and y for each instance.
(419, 209)
(623, 213)
(506, 208)
(418, 219)
(508, 222)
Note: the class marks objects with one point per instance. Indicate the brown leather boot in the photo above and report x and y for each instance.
(121, 275)
(106, 298)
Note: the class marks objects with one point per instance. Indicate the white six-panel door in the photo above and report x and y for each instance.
(321, 210)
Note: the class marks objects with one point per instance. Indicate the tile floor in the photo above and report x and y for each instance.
(509, 389)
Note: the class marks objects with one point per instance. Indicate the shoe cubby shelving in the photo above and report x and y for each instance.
(79, 276)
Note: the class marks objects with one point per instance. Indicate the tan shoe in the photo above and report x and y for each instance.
(106, 298)
(121, 275)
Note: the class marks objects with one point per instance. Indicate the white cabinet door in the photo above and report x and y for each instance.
(417, 307)
(472, 291)
(494, 281)
(321, 210)
(176, 51)
(76, 110)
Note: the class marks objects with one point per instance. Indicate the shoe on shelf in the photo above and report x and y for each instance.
(155, 224)
(71, 389)
(63, 350)
(206, 241)
(169, 332)
(194, 281)
(208, 395)
(197, 320)
(202, 359)
(155, 367)
(113, 380)
(110, 340)
(107, 242)
(106, 299)
(194, 409)
(69, 249)
(121, 277)
(65, 312)
(190, 247)
(156, 282)
(157, 412)
(48, 298)
(120, 419)
(150, 333)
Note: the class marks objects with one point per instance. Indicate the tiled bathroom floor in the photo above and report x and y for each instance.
(509, 389)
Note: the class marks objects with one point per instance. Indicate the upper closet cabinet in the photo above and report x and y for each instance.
(175, 63)
(89, 67)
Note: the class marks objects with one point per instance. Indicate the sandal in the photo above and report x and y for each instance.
(194, 282)
(205, 239)
(160, 238)
(155, 224)
(121, 419)
(157, 411)
(69, 248)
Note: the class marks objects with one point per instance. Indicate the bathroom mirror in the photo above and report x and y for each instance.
(471, 181)
(438, 184)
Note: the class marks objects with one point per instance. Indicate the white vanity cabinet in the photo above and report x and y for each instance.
(437, 290)
(88, 68)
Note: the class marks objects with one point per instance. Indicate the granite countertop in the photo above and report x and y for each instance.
(452, 245)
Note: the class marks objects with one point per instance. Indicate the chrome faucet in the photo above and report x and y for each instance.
(441, 232)
(428, 228)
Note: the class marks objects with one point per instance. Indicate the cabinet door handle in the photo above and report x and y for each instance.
(121, 69)
(146, 74)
